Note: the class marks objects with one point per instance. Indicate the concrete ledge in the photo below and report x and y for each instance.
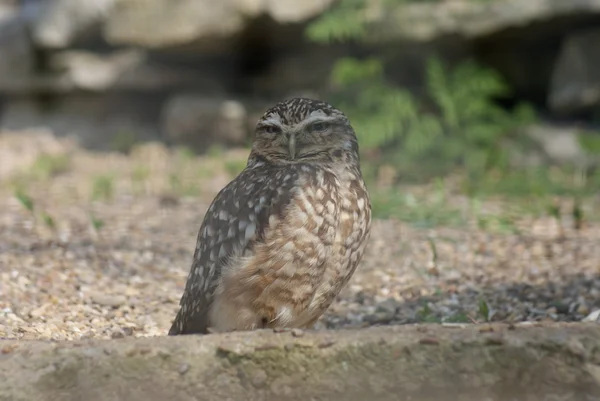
(427, 362)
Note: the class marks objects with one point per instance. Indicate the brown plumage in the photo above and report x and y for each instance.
(281, 240)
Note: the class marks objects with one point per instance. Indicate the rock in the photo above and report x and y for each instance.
(96, 122)
(58, 23)
(110, 300)
(292, 11)
(8, 9)
(89, 71)
(421, 363)
(198, 121)
(516, 38)
(472, 20)
(161, 23)
(303, 70)
(575, 84)
(125, 70)
(593, 317)
(17, 60)
(560, 144)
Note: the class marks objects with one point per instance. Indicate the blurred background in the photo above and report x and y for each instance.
(121, 119)
(503, 92)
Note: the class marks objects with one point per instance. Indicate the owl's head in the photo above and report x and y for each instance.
(304, 130)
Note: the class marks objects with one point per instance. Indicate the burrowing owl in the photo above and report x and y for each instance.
(281, 240)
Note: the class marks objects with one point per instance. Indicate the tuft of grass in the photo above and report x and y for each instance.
(458, 317)
(103, 187)
(25, 200)
(500, 224)
(48, 220)
(234, 167)
(50, 165)
(577, 214)
(95, 222)
(124, 141)
(215, 151)
(484, 311)
(406, 207)
(180, 188)
(426, 315)
(139, 175)
(28, 203)
(186, 153)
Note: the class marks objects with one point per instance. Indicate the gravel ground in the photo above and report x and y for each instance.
(80, 280)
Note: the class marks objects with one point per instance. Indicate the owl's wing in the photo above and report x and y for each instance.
(234, 222)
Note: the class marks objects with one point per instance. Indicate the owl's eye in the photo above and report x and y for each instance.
(319, 127)
(271, 129)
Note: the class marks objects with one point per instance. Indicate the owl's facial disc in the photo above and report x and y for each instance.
(312, 138)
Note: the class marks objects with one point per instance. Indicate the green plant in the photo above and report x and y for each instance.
(181, 187)
(95, 222)
(123, 141)
(484, 311)
(139, 175)
(457, 126)
(186, 153)
(48, 165)
(351, 19)
(425, 212)
(27, 202)
(215, 151)
(234, 167)
(48, 220)
(103, 187)
(345, 21)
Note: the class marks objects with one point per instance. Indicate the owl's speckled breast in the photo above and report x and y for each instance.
(307, 255)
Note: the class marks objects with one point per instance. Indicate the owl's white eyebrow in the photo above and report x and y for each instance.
(313, 119)
(271, 121)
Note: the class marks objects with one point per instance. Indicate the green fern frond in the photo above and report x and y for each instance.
(344, 22)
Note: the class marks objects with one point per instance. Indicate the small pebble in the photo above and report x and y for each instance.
(113, 301)
(117, 334)
(593, 317)
(183, 368)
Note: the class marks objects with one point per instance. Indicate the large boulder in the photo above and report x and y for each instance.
(58, 23)
(198, 121)
(575, 84)
(469, 19)
(96, 122)
(17, 60)
(156, 23)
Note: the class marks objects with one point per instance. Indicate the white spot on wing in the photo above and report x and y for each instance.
(250, 231)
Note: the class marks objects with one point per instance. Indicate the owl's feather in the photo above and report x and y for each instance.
(281, 240)
(233, 224)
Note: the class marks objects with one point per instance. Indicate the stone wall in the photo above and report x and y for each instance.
(198, 72)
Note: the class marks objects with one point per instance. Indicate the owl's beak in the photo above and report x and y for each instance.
(292, 145)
